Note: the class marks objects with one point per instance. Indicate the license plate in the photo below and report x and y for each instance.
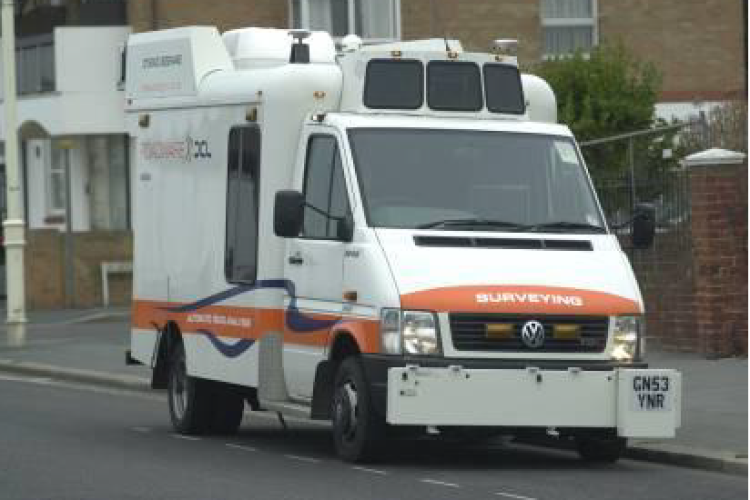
(652, 393)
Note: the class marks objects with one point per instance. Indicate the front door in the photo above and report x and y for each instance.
(314, 263)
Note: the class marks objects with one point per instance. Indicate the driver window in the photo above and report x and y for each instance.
(324, 189)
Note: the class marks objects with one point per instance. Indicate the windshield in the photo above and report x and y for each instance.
(472, 180)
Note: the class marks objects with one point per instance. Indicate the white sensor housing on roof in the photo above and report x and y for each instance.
(351, 43)
(252, 48)
(506, 46)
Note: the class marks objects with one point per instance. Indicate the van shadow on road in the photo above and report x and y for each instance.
(425, 452)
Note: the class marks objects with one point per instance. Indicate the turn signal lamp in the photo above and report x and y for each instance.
(498, 330)
(566, 332)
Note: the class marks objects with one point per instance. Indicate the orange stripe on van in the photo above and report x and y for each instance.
(521, 299)
(251, 323)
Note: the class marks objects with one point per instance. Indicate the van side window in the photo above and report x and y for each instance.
(241, 254)
(325, 189)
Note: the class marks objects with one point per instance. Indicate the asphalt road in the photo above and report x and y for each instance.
(59, 441)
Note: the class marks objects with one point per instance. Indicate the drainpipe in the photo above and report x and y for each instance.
(154, 15)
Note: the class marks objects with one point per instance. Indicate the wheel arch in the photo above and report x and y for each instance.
(167, 338)
(343, 345)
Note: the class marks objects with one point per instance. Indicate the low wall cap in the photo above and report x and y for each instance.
(713, 156)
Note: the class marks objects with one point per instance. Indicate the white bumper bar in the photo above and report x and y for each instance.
(638, 402)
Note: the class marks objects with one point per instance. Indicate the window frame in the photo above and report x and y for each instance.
(227, 277)
(486, 90)
(422, 89)
(480, 81)
(304, 19)
(363, 192)
(349, 212)
(52, 170)
(570, 22)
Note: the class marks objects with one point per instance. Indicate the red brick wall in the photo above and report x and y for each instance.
(719, 225)
(698, 45)
(45, 268)
(144, 15)
(665, 276)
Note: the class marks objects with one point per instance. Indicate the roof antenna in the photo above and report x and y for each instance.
(438, 19)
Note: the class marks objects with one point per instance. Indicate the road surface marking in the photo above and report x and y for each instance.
(31, 379)
(511, 495)
(141, 429)
(440, 483)
(303, 459)
(372, 471)
(240, 447)
(186, 438)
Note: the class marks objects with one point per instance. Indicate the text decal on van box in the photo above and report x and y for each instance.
(220, 319)
(162, 61)
(184, 150)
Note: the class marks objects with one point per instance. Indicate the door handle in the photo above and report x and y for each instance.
(295, 260)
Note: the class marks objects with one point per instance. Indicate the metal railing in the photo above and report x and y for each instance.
(641, 166)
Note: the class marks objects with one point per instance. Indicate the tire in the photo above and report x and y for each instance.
(228, 411)
(191, 401)
(600, 450)
(358, 432)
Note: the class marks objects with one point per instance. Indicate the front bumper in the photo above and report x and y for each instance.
(634, 400)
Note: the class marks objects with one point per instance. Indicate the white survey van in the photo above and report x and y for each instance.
(386, 237)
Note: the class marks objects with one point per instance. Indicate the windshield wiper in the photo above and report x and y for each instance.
(472, 224)
(564, 225)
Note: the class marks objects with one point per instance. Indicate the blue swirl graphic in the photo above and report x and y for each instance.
(295, 320)
(228, 350)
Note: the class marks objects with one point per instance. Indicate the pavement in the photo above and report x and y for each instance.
(89, 346)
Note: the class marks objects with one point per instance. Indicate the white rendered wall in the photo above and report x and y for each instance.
(87, 70)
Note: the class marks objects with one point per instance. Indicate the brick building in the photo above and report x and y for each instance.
(698, 45)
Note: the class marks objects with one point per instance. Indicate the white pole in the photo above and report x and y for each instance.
(14, 223)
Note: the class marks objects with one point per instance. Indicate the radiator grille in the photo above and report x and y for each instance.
(491, 332)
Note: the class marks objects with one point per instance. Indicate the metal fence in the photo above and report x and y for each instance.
(643, 167)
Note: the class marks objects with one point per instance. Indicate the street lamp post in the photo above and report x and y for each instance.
(14, 223)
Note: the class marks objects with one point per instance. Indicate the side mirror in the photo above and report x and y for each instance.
(288, 213)
(644, 225)
(345, 228)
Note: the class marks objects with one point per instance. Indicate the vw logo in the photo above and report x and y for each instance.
(532, 334)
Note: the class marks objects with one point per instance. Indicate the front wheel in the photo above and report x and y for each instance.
(357, 430)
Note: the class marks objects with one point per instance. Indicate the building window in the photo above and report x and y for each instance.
(325, 189)
(568, 26)
(373, 20)
(241, 254)
(56, 188)
(35, 60)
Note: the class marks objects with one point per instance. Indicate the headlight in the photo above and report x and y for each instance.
(390, 330)
(409, 332)
(626, 338)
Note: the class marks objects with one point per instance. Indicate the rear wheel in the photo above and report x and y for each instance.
(228, 411)
(600, 450)
(190, 399)
(357, 430)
